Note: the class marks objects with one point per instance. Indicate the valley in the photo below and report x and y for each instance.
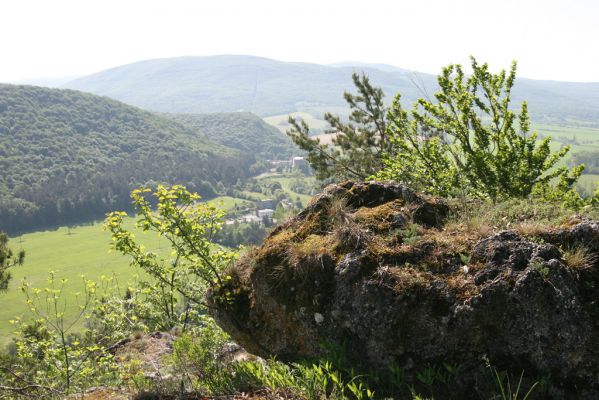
(84, 249)
(217, 126)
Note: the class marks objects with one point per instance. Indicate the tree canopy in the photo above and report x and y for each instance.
(467, 141)
(68, 156)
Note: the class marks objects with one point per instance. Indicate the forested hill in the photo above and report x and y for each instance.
(269, 87)
(243, 131)
(67, 156)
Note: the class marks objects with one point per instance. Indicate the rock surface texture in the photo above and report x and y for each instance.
(376, 268)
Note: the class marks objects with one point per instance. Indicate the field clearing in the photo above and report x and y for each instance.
(280, 121)
(227, 202)
(566, 133)
(589, 182)
(70, 253)
(286, 182)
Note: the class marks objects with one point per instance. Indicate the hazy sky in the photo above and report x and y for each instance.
(551, 39)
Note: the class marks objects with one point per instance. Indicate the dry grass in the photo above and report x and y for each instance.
(472, 226)
(304, 261)
(406, 278)
(379, 218)
(339, 213)
(530, 228)
(579, 258)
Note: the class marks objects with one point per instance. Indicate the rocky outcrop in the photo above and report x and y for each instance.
(376, 268)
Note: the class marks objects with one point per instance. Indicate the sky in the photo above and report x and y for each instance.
(550, 39)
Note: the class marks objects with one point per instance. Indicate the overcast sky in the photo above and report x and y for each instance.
(550, 39)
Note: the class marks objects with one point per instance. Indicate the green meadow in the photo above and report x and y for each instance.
(79, 251)
(579, 139)
(69, 253)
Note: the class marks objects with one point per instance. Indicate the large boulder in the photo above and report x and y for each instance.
(374, 267)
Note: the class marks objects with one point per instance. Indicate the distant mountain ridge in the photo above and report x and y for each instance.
(269, 87)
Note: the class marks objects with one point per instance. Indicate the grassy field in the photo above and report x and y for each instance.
(588, 182)
(286, 182)
(70, 253)
(579, 139)
(280, 121)
(227, 202)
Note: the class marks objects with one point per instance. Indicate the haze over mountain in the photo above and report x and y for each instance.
(269, 87)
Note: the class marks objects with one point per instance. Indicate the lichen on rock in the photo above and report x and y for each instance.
(373, 266)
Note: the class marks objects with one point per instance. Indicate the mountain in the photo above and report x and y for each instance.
(229, 83)
(242, 131)
(269, 87)
(68, 156)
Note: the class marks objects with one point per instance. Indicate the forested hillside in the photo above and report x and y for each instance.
(244, 131)
(269, 87)
(67, 156)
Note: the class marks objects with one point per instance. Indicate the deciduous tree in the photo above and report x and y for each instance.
(470, 141)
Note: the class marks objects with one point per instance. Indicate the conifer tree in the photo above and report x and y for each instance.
(359, 145)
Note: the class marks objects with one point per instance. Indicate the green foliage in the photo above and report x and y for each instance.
(50, 356)
(56, 358)
(195, 359)
(242, 131)
(7, 260)
(470, 142)
(359, 145)
(318, 380)
(67, 156)
(507, 391)
(196, 264)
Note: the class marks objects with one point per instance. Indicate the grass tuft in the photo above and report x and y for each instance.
(579, 257)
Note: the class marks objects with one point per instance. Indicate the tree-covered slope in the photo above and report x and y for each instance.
(68, 156)
(269, 87)
(242, 131)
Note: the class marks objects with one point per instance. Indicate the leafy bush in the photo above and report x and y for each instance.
(468, 142)
(51, 356)
(189, 226)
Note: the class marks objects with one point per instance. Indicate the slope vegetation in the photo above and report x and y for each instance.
(67, 156)
(242, 131)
